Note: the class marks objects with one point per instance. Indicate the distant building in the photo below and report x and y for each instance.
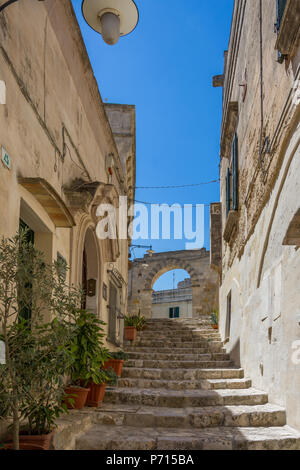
(175, 303)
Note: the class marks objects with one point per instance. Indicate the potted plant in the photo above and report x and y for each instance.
(116, 362)
(130, 328)
(214, 320)
(31, 384)
(88, 356)
(133, 324)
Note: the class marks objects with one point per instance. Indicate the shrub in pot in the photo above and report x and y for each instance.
(116, 362)
(88, 356)
(214, 320)
(31, 384)
(133, 324)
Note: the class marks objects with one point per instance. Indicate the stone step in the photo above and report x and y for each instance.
(185, 384)
(173, 344)
(156, 364)
(101, 437)
(176, 333)
(179, 357)
(69, 427)
(213, 348)
(181, 399)
(182, 374)
(233, 416)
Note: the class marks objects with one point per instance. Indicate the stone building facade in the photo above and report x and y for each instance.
(144, 272)
(174, 303)
(257, 223)
(61, 156)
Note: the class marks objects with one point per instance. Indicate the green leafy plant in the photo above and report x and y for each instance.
(138, 321)
(86, 349)
(119, 355)
(111, 377)
(214, 318)
(35, 304)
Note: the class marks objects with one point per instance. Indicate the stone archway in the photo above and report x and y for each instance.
(145, 271)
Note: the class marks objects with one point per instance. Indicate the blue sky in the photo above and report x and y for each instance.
(165, 67)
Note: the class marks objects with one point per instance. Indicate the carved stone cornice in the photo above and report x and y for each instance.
(229, 129)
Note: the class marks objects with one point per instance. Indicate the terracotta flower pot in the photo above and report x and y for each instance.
(130, 333)
(32, 442)
(215, 327)
(115, 364)
(96, 394)
(78, 394)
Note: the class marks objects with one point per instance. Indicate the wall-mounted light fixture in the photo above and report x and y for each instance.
(111, 18)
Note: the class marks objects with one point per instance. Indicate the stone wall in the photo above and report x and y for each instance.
(145, 271)
(260, 265)
(55, 129)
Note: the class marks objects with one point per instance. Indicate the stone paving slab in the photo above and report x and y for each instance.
(156, 364)
(127, 438)
(190, 417)
(182, 374)
(179, 399)
(185, 384)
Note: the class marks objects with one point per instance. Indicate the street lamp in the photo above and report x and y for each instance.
(111, 18)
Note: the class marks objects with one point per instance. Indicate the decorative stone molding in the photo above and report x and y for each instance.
(289, 33)
(230, 124)
(50, 200)
(230, 225)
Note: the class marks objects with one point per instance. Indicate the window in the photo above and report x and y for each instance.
(280, 7)
(232, 180)
(174, 312)
(228, 317)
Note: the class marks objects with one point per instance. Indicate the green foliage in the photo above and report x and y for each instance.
(86, 349)
(214, 318)
(138, 321)
(31, 385)
(120, 355)
(111, 377)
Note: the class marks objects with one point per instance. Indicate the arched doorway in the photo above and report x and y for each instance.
(172, 295)
(90, 279)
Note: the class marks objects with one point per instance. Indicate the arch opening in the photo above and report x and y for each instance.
(172, 295)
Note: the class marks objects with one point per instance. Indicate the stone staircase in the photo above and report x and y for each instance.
(180, 391)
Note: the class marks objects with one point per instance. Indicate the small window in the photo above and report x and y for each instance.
(232, 180)
(280, 7)
(174, 312)
(228, 316)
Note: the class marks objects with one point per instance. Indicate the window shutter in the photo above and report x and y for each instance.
(281, 4)
(235, 174)
(171, 312)
(228, 190)
(176, 312)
